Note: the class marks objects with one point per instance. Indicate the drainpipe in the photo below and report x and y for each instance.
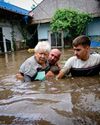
(4, 43)
(12, 48)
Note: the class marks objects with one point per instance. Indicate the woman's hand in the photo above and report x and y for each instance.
(19, 76)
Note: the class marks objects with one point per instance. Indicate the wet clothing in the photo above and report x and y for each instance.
(31, 67)
(55, 68)
(79, 67)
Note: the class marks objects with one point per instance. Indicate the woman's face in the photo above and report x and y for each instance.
(41, 56)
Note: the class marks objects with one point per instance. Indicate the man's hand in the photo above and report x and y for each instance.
(49, 74)
(60, 75)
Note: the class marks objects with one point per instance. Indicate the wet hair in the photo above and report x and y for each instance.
(81, 40)
(43, 45)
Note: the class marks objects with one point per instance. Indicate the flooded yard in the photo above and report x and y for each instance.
(69, 101)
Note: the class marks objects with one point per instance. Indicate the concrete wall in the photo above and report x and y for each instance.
(43, 31)
(94, 27)
(7, 29)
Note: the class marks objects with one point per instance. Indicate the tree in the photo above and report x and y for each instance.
(72, 22)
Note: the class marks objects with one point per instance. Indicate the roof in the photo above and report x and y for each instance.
(46, 9)
(13, 8)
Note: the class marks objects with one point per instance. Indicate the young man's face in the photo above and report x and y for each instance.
(81, 52)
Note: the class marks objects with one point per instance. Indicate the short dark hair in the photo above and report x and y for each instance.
(81, 40)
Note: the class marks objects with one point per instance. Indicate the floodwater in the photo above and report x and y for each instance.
(69, 101)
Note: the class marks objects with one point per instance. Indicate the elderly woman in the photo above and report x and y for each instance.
(36, 64)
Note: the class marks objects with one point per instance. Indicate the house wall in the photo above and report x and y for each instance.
(7, 29)
(7, 32)
(46, 9)
(44, 34)
(44, 12)
(93, 29)
(17, 32)
(7, 36)
(18, 35)
(43, 31)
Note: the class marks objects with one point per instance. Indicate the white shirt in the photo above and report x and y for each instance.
(74, 62)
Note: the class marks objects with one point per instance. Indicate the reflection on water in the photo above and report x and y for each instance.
(70, 101)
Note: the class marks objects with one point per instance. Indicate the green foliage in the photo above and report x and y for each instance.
(70, 21)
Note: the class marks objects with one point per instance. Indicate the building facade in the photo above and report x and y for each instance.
(44, 12)
(12, 27)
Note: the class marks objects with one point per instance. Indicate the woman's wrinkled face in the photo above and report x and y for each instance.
(41, 56)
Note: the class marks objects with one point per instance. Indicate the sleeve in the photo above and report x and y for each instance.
(24, 67)
(27, 68)
(67, 66)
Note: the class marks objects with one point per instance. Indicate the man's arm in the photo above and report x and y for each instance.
(60, 75)
(54, 70)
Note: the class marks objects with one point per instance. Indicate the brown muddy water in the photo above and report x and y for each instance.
(69, 101)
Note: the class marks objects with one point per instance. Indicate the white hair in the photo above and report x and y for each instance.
(43, 45)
